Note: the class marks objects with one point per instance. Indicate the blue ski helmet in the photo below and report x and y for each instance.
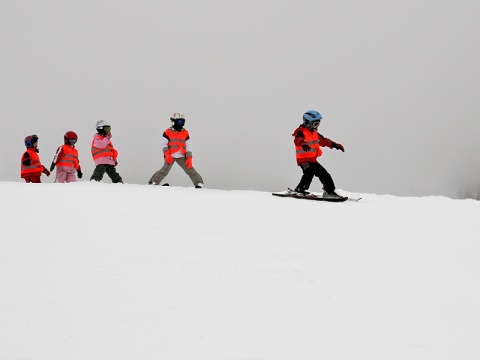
(30, 140)
(311, 116)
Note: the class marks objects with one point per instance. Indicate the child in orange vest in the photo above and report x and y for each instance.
(176, 146)
(307, 146)
(66, 160)
(104, 154)
(31, 168)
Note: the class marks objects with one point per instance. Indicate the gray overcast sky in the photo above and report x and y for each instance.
(397, 83)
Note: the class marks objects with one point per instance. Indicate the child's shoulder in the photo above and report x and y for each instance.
(299, 131)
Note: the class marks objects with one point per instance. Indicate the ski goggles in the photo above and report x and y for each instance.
(72, 141)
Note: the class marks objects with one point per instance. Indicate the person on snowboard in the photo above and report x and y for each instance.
(307, 146)
(177, 147)
(104, 154)
(66, 160)
(31, 168)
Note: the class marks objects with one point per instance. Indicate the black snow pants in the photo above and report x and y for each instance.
(101, 169)
(311, 169)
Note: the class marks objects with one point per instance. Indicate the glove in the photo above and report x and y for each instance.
(305, 147)
(304, 165)
(45, 171)
(188, 162)
(168, 158)
(79, 173)
(338, 146)
(52, 166)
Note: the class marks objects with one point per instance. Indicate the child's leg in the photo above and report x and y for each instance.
(112, 173)
(98, 172)
(161, 174)
(192, 173)
(306, 180)
(71, 176)
(324, 176)
(61, 175)
(34, 179)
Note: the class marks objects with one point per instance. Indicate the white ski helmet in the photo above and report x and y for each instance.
(101, 124)
(177, 116)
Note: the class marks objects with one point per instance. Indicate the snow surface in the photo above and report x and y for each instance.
(108, 271)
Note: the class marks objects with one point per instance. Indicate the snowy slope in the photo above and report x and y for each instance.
(104, 271)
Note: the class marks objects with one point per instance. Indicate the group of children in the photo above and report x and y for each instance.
(176, 148)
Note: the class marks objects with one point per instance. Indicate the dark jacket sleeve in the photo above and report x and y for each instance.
(299, 138)
(26, 159)
(325, 142)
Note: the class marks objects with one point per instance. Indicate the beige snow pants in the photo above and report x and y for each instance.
(163, 172)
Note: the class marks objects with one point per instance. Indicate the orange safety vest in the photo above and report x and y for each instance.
(105, 152)
(69, 157)
(35, 168)
(177, 140)
(312, 139)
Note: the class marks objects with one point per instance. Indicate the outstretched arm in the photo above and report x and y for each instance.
(326, 142)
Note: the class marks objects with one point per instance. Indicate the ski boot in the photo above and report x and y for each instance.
(300, 189)
(331, 194)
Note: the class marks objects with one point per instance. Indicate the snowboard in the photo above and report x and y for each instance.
(291, 193)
